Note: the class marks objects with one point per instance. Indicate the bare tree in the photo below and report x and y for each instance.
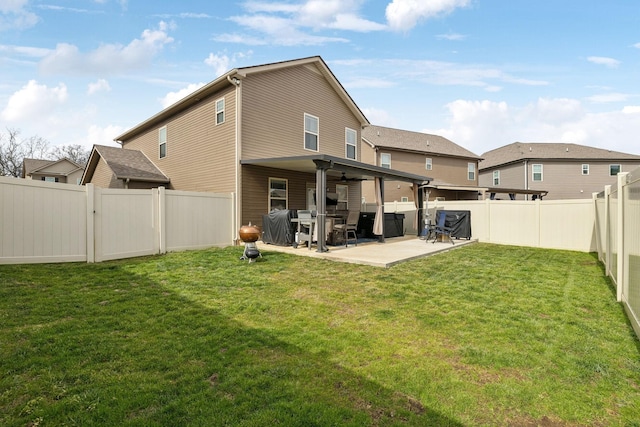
(74, 152)
(14, 150)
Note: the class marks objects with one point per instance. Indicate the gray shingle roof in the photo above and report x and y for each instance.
(29, 165)
(520, 151)
(132, 164)
(398, 139)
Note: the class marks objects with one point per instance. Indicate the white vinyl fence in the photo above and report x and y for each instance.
(552, 224)
(47, 222)
(618, 231)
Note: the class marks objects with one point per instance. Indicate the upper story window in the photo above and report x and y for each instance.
(428, 163)
(536, 172)
(496, 177)
(162, 142)
(50, 179)
(350, 138)
(220, 111)
(277, 194)
(311, 132)
(471, 171)
(585, 169)
(614, 170)
(385, 160)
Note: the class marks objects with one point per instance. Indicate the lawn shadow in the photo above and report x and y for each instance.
(144, 354)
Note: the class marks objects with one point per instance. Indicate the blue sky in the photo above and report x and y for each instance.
(483, 73)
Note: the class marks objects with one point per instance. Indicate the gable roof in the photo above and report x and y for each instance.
(31, 166)
(234, 77)
(125, 164)
(520, 151)
(418, 142)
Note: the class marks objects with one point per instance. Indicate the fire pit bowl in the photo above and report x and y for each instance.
(249, 233)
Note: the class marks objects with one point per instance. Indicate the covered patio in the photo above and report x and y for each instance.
(325, 167)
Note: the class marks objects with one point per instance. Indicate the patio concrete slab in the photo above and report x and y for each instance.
(391, 252)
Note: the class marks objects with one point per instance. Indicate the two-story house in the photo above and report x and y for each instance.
(279, 136)
(61, 170)
(454, 168)
(562, 170)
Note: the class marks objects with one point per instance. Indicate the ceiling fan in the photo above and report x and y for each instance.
(344, 178)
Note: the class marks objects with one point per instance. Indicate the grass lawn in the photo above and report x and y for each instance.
(482, 335)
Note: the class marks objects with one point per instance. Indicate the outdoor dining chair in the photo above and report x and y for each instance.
(350, 226)
(441, 230)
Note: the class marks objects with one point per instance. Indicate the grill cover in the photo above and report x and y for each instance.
(277, 228)
(458, 221)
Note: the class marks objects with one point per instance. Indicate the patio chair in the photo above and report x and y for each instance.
(350, 226)
(441, 230)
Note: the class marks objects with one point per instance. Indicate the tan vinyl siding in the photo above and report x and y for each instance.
(273, 118)
(255, 191)
(200, 154)
(103, 177)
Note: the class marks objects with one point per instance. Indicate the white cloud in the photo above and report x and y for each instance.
(102, 135)
(403, 15)
(287, 24)
(220, 63)
(173, 97)
(378, 117)
(481, 126)
(34, 101)
(602, 60)
(15, 16)
(609, 97)
(108, 58)
(99, 86)
(451, 36)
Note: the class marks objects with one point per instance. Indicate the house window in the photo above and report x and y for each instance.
(614, 170)
(343, 197)
(350, 138)
(471, 171)
(50, 179)
(585, 169)
(277, 194)
(404, 199)
(429, 163)
(385, 160)
(311, 132)
(496, 177)
(536, 172)
(162, 142)
(220, 111)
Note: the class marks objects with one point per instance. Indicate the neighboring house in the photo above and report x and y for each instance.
(562, 170)
(454, 168)
(275, 135)
(62, 170)
(113, 167)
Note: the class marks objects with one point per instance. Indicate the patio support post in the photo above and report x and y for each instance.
(420, 212)
(321, 204)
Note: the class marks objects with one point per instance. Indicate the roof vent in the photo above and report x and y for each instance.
(530, 149)
(378, 133)
(427, 142)
(567, 149)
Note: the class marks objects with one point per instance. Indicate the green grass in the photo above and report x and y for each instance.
(483, 335)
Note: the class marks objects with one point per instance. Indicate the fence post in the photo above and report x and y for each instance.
(161, 220)
(622, 279)
(537, 203)
(90, 223)
(606, 238)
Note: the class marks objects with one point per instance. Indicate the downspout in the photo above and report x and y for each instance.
(526, 178)
(238, 208)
